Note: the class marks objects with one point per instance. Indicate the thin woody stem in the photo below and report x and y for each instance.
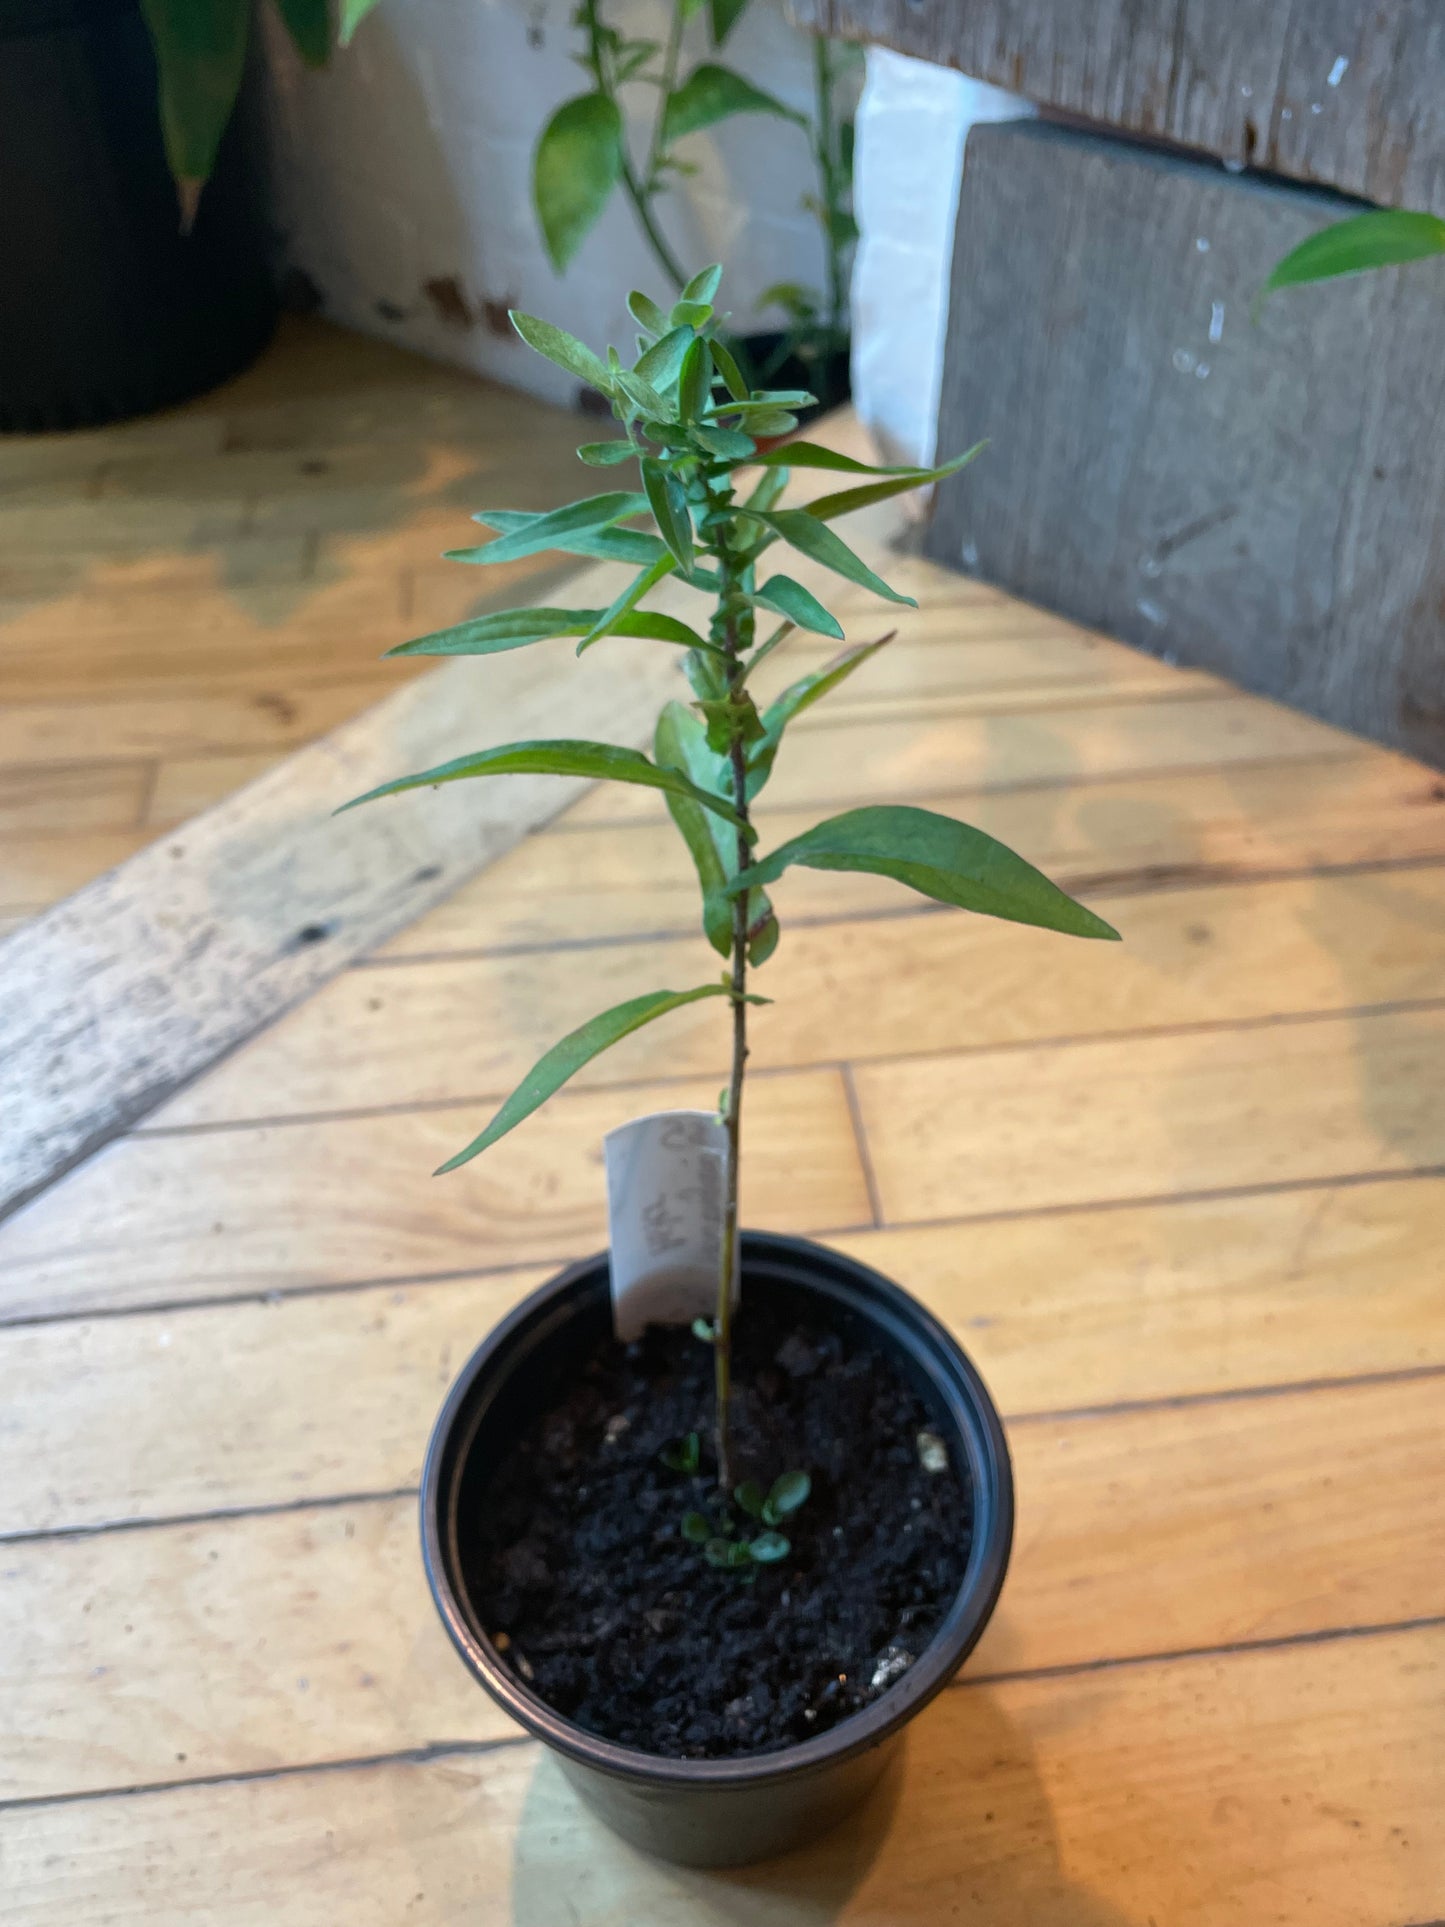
(737, 986)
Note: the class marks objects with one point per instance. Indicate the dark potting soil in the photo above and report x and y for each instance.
(580, 1574)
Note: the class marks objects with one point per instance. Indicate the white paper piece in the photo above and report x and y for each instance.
(666, 1187)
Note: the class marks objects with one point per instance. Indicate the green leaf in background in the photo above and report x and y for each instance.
(516, 628)
(606, 454)
(549, 531)
(309, 24)
(809, 537)
(600, 762)
(669, 509)
(200, 48)
(788, 598)
(575, 168)
(795, 699)
(848, 499)
(353, 12)
(724, 15)
(950, 862)
(680, 742)
(710, 94)
(553, 1069)
(1385, 238)
(563, 349)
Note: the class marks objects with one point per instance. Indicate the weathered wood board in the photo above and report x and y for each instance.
(1331, 91)
(1265, 499)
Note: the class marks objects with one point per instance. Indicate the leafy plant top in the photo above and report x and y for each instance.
(690, 429)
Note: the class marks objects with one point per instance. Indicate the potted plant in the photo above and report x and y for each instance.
(124, 288)
(717, 1565)
(582, 157)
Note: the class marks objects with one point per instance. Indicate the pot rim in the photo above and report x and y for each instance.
(990, 1474)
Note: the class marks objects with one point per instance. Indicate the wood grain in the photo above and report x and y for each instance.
(1256, 501)
(1319, 90)
(1127, 833)
(1279, 1104)
(442, 1029)
(167, 1219)
(1216, 1788)
(186, 1651)
(215, 1408)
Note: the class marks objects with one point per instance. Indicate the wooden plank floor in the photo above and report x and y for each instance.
(1182, 1199)
(187, 598)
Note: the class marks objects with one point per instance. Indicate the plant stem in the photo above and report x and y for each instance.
(829, 176)
(723, 1323)
(640, 192)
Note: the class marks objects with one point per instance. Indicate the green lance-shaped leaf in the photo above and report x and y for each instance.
(723, 16)
(732, 375)
(550, 531)
(646, 313)
(309, 24)
(579, 1047)
(669, 510)
(729, 443)
(605, 762)
(712, 93)
(660, 364)
(797, 697)
(200, 54)
(352, 13)
(566, 351)
(627, 600)
(680, 743)
(517, 628)
(704, 284)
(574, 170)
(606, 454)
(798, 528)
(608, 543)
(1385, 238)
(950, 862)
(785, 597)
(694, 380)
(651, 405)
(827, 507)
(814, 455)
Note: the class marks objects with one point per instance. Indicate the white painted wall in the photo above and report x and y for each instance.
(409, 161)
(913, 121)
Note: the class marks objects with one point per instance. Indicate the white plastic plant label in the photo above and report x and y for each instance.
(666, 1186)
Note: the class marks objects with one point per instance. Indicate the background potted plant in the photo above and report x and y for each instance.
(718, 1567)
(114, 299)
(583, 157)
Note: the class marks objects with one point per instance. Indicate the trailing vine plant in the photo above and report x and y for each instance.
(583, 155)
(691, 427)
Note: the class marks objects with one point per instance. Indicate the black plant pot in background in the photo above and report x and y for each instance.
(714, 1812)
(826, 375)
(106, 308)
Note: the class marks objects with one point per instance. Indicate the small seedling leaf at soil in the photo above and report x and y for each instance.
(729, 1554)
(768, 1548)
(749, 1496)
(696, 1529)
(788, 1493)
(704, 1329)
(684, 1456)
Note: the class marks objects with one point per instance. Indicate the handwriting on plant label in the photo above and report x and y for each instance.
(666, 1175)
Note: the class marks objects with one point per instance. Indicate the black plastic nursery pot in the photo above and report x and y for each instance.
(106, 308)
(717, 1812)
(828, 376)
